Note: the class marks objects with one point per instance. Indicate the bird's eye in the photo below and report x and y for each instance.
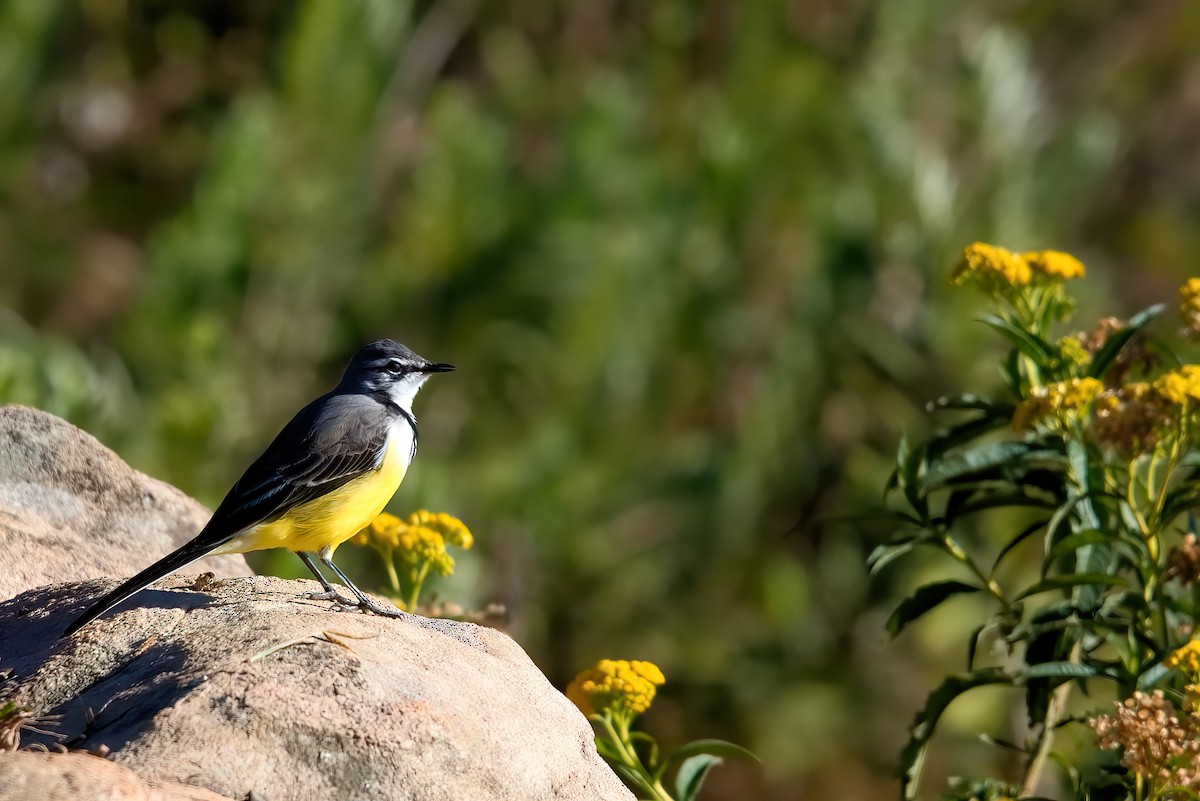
(394, 367)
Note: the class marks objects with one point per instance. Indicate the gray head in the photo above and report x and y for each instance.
(388, 368)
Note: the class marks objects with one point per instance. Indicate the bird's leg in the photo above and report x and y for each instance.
(365, 602)
(331, 593)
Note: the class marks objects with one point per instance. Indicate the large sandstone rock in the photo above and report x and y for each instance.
(71, 509)
(246, 687)
(32, 776)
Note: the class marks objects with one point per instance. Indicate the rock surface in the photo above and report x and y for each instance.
(81, 777)
(246, 687)
(71, 509)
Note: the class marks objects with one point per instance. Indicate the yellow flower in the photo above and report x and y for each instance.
(619, 686)
(1186, 659)
(1181, 385)
(448, 526)
(421, 537)
(1189, 306)
(1054, 265)
(1060, 402)
(991, 267)
(384, 531)
(1073, 351)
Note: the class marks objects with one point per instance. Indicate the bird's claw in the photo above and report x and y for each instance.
(368, 605)
(332, 595)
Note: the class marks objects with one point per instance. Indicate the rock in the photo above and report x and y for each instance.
(258, 690)
(81, 777)
(71, 509)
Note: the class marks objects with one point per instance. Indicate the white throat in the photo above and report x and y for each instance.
(403, 391)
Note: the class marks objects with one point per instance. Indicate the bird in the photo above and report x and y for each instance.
(324, 477)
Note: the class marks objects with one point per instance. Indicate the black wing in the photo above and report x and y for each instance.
(333, 440)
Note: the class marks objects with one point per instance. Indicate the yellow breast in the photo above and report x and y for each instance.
(330, 520)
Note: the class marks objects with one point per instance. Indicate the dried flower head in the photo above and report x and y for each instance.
(1155, 743)
(1053, 265)
(1057, 404)
(1183, 561)
(1133, 419)
(619, 686)
(1094, 340)
(994, 269)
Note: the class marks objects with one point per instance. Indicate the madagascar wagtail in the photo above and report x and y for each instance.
(327, 475)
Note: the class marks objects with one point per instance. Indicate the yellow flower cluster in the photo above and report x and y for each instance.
(1059, 402)
(1054, 265)
(1186, 659)
(1189, 306)
(618, 686)
(995, 268)
(1180, 386)
(421, 537)
(991, 267)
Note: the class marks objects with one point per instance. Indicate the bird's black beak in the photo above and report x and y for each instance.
(437, 367)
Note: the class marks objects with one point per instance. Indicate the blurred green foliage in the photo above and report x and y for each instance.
(688, 256)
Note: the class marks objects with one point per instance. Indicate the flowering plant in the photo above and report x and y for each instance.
(417, 544)
(612, 693)
(1096, 441)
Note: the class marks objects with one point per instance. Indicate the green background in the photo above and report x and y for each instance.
(688, 256)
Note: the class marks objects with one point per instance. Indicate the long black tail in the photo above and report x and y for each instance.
(168, 564)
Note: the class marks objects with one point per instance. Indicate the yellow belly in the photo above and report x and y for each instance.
(330, 520)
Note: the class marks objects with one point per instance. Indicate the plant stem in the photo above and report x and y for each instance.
(1131, 499)
(632, 761)
(1054, 711)
(391, 573)
(956, 551)
(418, 580)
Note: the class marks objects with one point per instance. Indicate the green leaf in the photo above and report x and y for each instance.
(1060, 518)
(883, 555)
(1062, 670)
(1181, 499)
(973, 644)
(722, 748)
(691, 775)
(1075, 580)
(1118, 339)
(923, 600)
(1007, 499)
(1093, 558)
(1025, 533)
(965, 432)
(912, 759)
(631, 777)
(969, 400)
(1152, 677)
(1033, 346)
(908, 477)
(974, 460)
(1077, 540)
(1010, 370)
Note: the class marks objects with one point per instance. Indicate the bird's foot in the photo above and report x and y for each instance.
(332, 595)
(367, 605)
